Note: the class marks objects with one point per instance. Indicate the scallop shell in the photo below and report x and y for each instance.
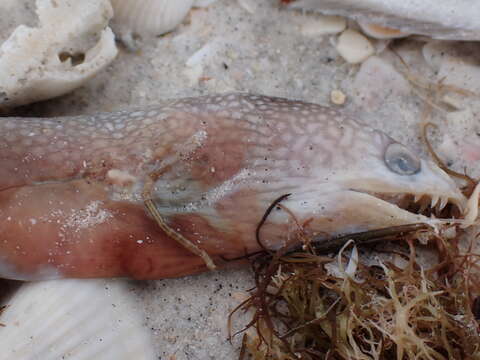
(149, 17)
(73, 320)
(445, 19)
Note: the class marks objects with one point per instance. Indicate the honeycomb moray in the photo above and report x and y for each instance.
(73, 190)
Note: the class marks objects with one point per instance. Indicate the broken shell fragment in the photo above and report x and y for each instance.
(354, 47)
(381, 32)
(323, 25)
(337, 97)
(446, 19)
(70, 46)
(148, 17)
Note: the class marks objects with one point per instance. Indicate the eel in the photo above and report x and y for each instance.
(74, 190)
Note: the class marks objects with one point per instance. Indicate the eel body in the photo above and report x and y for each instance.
(73, 189)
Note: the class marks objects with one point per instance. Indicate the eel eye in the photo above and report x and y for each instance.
(401, 160)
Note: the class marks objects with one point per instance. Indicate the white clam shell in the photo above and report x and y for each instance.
(149, 17)
(36, 63)
(445, 19)
(73, 320)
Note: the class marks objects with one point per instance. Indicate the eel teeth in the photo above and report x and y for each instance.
(423, 207)
(443, 203)
(459, 205)
(435, 199)
(417, 197)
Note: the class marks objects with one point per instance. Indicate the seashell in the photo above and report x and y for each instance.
(148, 17)
(354, 47)
(323, 25)
(337, 97)
(70, 46)
(446, 19)
(75, 320)
(381, 32)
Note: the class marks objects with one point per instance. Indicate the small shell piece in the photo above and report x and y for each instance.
(354, 47)
(70, 46)
(337, 97)
(381, 32)
(148, 17)
(73, 320)
(323, 25)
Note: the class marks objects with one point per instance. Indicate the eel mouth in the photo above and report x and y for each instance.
(432, 206)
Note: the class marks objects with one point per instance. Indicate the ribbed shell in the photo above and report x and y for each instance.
(151, 17)
(73, 320)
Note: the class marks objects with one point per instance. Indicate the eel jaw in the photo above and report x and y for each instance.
(431, 206)
(432, 192)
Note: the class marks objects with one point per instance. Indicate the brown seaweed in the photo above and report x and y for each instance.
(301, 310)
